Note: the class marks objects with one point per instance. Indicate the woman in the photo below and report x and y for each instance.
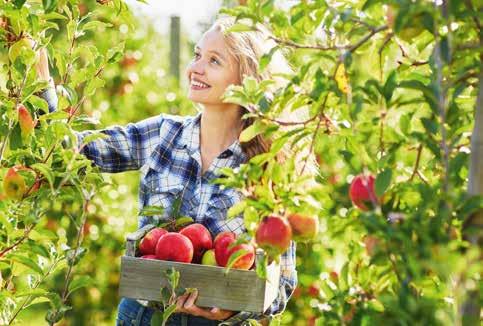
(178, 156)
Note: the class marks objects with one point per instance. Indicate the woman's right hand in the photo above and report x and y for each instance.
(42, 66)
(43, 73)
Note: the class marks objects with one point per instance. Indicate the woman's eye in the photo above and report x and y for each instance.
(215, 61)
(196, 54)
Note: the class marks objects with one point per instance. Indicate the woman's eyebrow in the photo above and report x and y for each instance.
(213, 51)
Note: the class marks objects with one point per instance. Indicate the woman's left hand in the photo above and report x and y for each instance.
(186, 304)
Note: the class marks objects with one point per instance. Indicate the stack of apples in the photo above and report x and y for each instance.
(194, 244)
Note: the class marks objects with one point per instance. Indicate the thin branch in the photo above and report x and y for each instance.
(367, 37)
(416, 165)
(78, 242)
(34, 287)
(19, 241)
(350, 48)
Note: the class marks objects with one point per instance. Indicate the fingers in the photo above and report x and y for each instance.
(180, 302)
(191, 299)
(186, 304)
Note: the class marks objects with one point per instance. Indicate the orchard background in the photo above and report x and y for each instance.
(392, 91)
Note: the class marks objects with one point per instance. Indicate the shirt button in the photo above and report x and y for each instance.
(225, 154)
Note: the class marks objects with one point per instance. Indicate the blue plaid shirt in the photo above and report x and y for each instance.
(166, 149)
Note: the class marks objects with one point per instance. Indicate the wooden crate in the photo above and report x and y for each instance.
(239, 290)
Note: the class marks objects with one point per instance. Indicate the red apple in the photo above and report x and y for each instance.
(174, 247)
(221, 243)
(147, 246)
(303, 227)
(314, 290)
(362, 192)
(273, 235)
(334, 277)
(245, 261)
(200, 238)
(149, 257)
(14, 184)
(25, 120)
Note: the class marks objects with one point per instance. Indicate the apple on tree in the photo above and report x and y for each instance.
(27, 124)
(304, 227)
(362, 192)
(274, 235)
(14, 184)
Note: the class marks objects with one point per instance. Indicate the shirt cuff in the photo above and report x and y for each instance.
(50, 96)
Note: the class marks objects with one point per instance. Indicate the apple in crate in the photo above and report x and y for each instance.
(174, 247)
(200, 238)
(209, 258)
(223, 251)
(147, 246)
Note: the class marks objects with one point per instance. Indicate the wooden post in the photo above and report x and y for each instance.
(174, 47)
(470, 309)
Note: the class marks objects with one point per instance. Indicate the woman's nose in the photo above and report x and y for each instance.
(197, 67)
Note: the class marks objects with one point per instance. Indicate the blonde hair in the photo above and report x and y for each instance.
(247, 48)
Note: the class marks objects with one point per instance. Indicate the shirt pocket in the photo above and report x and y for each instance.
(161, 189)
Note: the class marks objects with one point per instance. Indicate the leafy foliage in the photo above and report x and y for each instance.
(390, 89)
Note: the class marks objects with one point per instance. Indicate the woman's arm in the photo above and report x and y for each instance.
(124, 148)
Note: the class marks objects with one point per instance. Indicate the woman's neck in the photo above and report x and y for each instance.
(219, 128)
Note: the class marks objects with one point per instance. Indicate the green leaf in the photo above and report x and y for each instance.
(168, 312)
(95, 24)
(46, 171)
(19, 3)
(239, 28)
(376, 305)
(267, 57)
(250, 85)
(93, 84)
(39, 103)
(173, 277)
(404, 124)
(49, 5)
(261, 267)
(183, 220)
(389, 86)
(53, 15)
(236, 209)
(383, 180)
(151, 210)
(234, 258)
(27, 262)
(80, 282)
(252, 131)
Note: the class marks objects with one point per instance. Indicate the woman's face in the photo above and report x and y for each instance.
(213, 67)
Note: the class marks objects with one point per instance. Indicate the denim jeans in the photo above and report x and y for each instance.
(132, 313)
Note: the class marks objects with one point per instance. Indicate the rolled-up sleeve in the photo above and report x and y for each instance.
(122, 148)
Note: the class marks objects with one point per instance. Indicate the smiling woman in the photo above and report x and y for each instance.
(180, 156)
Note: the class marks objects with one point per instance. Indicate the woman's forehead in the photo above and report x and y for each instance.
(213, 41)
